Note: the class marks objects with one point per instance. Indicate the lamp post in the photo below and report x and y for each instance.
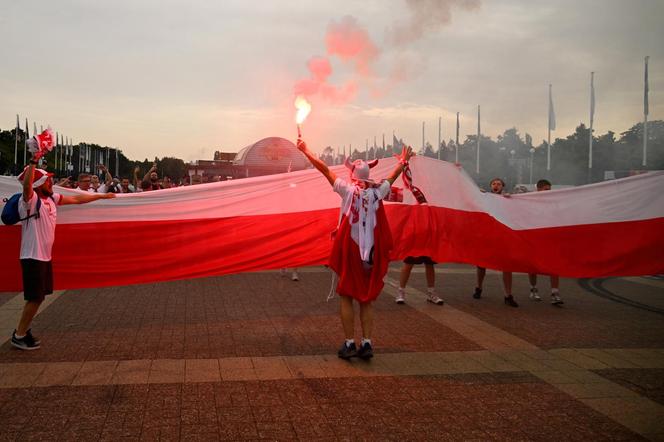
(532, 152)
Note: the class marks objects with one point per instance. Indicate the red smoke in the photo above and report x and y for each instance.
(351, 44)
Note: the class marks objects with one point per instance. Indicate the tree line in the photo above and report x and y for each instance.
(510, 156)
(514, 157)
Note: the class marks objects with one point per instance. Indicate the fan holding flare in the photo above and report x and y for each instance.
(362, 244)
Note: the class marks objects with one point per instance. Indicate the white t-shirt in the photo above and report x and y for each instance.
(38, 234)
(360, 206)
(100, 189)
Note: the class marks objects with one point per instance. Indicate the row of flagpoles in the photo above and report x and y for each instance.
(551, 126)
(88, 156)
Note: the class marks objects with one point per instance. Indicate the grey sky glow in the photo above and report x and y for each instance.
(176, 78)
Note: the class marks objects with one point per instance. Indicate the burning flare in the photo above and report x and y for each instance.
(303, 108)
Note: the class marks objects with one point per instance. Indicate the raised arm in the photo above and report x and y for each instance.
(136, 171)
(147, 175)
(406, 154)
(85, 198)
(317, 163)
(107, 174)
(29, 177)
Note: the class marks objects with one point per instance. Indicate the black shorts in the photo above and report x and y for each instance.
(419, 260)
(37, 279)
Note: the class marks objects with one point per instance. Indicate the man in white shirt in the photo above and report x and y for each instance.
(360, 253)
(37, 236)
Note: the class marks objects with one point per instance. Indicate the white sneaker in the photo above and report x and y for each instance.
(401, 296)
(555, 300)
(295, 277)
(432, 298)
(534, 296)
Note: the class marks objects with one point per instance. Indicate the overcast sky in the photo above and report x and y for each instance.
(175, 78)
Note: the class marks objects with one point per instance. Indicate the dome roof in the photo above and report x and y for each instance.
(273, 152)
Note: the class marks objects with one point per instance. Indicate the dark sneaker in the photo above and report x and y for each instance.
(34, 338)
(27, 342)
(478, 293)
(347, 351)
(509, 300)
(365, 352)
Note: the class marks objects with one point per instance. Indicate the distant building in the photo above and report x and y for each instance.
(265, 157)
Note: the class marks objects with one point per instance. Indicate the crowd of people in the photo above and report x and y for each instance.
(92, 183)
(359, 257)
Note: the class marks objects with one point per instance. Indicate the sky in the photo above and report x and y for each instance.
(184, 79)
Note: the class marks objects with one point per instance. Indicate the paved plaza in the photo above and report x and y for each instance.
(253, 357)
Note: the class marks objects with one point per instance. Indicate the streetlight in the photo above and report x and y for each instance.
(532, 151)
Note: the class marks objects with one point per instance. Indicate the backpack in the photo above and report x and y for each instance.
(10, 214)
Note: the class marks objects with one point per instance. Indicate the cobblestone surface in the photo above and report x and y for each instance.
(463, 407)
(253, 357)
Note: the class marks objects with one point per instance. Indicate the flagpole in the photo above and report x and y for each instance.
(645, 114)
(456, 143)
(548, 140)
(366, 151)
(592, 117)
(18, 124)
(477, 165)
(422, 137)
(440, 122)
(25, 144)
(55, 153)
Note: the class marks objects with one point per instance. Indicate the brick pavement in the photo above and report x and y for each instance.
(252, 357)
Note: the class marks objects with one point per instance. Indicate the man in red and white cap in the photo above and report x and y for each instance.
(360, 253)
(37, 236)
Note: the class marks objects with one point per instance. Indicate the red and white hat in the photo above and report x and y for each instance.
(40, 177)
(359, 169)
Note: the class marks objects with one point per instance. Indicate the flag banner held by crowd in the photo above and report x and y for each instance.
(613, 228)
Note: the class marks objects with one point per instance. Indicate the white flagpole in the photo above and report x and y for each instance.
(552, 126)
(477, 165)
(18, 124)
(440, 122)
(56, 152)
(645, 115)
(366, 151)
(25, 144)
(456, 143)
(592, 117)
(422, 137)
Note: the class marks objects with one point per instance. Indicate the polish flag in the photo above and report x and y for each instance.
(614, 228)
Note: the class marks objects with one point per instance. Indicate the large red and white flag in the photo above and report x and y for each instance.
(613, 228)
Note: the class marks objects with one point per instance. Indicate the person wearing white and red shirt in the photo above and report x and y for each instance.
(37, 237)
(360, 253)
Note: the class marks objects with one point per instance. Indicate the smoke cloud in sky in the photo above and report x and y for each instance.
(426, 16)
(350, 43)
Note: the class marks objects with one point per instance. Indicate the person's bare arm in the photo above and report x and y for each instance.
(406, 154)
(107, 174)
(84, 198)
(27, 182)
(317, 163)
(147, 175)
